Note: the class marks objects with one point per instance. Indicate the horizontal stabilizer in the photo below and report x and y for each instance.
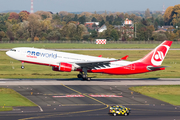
(156, 68)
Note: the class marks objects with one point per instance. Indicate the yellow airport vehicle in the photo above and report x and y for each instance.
(119, 110)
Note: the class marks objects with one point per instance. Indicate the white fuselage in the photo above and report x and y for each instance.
(53, 58)
(66, 62)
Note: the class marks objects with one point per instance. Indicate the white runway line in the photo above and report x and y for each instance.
(135, 81)
(2, 82)
(40, 108)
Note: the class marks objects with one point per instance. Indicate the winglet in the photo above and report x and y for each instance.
(125, 57)
(100, 56)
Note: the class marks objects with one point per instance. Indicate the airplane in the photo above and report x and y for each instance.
(67, 62)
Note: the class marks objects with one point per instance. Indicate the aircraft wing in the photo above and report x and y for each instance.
(95, 64)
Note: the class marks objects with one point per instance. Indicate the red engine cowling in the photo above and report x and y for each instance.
(64, 67)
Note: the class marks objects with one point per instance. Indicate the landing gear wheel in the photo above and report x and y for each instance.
(84, 76)
(79, 76)
(22, 67)
(88, 79)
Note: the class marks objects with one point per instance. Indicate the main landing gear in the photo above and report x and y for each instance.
(83, 75)
(22, 67)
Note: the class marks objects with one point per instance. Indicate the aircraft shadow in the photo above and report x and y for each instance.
(109, 79)
(94, 79)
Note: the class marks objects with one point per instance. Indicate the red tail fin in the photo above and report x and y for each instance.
(156, 56)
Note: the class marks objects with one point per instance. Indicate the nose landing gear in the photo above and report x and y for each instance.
(22, 67)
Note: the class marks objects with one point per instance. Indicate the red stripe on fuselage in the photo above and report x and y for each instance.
(135, 68)
(37, 63)
(124, 70)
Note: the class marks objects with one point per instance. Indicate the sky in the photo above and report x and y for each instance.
(87, 5)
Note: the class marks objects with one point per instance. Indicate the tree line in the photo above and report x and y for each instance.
(43, 25)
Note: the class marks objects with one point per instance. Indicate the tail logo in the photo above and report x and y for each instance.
(159, 55)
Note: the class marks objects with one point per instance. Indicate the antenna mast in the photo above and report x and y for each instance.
(163, 9)
(32, 8)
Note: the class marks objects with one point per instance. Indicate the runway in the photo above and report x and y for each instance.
(65, 99)
(94, 81)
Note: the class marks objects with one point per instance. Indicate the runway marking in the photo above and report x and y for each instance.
(100, 104)
(84, 95)
(62, 95)
(71, 89)
(68, 96)
(34, 103)
(53, 115)
(155, 110)
(35, 114)
(105, 96)
(40, 108)
(80, 104)
(2, 82)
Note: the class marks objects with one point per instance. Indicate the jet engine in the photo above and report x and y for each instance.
(64, 67)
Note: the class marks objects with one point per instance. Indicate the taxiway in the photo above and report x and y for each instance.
(75, 99)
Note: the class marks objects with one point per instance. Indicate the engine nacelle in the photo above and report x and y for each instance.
(64, 67)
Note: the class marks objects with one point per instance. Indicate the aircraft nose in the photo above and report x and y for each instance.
(7, 53)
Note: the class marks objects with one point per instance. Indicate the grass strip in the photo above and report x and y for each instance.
(166, 93)
(6, 109)
(10, 98)
(80, 46)
(10, 68)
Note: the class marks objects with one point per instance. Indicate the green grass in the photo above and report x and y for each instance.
(79, 45)
(10, 68)
(10, 98)
(166, 93)
(6, 109)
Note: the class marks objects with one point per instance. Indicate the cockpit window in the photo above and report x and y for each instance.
(13, 50)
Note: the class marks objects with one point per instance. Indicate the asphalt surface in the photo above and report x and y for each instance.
(61, 101)
(94, 81)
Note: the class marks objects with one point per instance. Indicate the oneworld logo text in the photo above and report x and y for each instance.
(47, 55)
